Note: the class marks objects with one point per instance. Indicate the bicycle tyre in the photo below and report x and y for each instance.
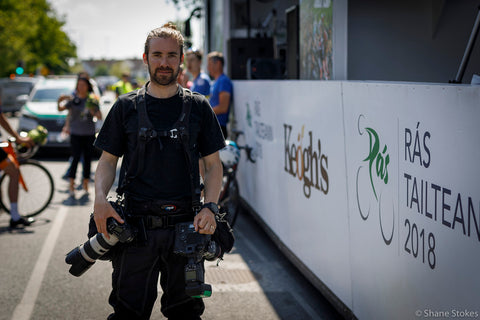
(231, 203)
(40, 186)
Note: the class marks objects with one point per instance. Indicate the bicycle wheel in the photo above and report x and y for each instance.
(231, 202)
(40, 189)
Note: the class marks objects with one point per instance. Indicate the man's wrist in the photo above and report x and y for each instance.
(211, 206)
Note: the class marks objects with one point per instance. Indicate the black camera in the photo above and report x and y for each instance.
(84, 256)
(195, 247)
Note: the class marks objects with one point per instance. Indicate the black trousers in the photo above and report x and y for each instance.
(135, 276)
(81, 145)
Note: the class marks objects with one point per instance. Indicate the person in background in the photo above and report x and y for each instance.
(135, 85)
(221, 93)
(81, 74)
(82, 107)
(183, 79)
(8, 166)
(123, 86)
(201, 81)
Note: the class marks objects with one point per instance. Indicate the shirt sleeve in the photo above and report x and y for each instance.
(111, 137)
(210, 137)
(225, 85)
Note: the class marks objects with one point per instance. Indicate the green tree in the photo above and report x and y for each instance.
(118, 68)
(101, 70)
(30, 31)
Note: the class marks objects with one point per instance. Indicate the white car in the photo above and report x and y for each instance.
(40, 108)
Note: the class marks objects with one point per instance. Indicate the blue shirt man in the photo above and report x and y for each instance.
(221, 93)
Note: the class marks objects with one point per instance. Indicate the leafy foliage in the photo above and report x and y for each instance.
(31, 32)
(101, 70)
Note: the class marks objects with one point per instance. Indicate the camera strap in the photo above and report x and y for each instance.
(192, 161)
(147, 133)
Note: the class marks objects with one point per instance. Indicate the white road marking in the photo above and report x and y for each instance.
(24, 309)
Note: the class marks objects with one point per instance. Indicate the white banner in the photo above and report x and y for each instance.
(373, 186)
(413, 187)
(298, 182)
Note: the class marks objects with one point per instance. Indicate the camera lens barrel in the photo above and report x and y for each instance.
(83, 257)
(97, 246)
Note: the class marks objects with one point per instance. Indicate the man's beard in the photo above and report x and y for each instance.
(163, 80)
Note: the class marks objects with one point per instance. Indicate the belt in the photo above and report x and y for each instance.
(156, 207)
(163, 221)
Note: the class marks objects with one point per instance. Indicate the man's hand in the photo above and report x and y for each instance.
(102, 210)
(204, 222)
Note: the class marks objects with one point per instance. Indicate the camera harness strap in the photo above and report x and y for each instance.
(147, 133)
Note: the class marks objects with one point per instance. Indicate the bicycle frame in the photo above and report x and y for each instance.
(7, 146)
(228, 174)
(229, 194)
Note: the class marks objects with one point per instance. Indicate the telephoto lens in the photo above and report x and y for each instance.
(84, 256)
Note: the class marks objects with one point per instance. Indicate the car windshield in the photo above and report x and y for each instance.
(50, 94)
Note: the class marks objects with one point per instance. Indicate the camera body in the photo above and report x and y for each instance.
(84, 256)
(195, 247)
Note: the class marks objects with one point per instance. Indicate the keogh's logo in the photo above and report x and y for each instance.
(305, 161)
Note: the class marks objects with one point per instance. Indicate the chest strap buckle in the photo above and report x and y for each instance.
(173, 134)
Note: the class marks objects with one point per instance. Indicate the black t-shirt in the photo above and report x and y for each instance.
(166, 174)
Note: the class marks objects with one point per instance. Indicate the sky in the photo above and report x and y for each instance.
(116, 29)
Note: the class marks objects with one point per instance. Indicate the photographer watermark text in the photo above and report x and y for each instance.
(450, 314)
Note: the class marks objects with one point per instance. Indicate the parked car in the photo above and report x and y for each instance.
(40, 108)
(10, 89)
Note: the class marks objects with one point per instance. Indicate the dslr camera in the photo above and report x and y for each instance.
(84, 256)
(195, 247)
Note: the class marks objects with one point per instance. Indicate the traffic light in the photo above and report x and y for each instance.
(20, 70)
